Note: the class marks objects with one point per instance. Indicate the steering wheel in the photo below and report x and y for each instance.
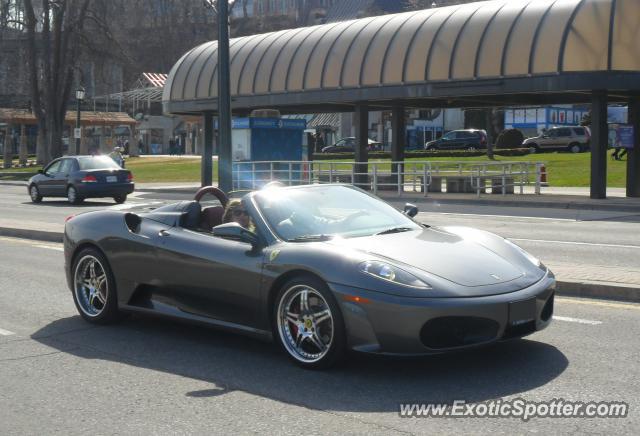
(216, 192)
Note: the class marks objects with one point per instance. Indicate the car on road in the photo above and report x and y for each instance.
(80, 177)
(321, 269)
(469, 139)
(574, 139)
(347, 145)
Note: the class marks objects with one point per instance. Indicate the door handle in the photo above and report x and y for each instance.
(163, 233)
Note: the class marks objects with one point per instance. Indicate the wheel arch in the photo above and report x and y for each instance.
(280, 281)
(83, 245)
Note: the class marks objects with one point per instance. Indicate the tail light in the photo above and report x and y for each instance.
(89, 179)
(129, 177)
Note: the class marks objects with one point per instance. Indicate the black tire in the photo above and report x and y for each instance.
(72, 195)
(534, 148)
(471, 148)
(336, 350)
(109, 312)
(120, 198)
(34, 193)
(574, 148)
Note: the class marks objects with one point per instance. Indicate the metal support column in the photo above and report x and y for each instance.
(207, 151)
(361, 121)
(23, 151)
(633, 155)
(224, 100)
(398, 137)
(599, 141)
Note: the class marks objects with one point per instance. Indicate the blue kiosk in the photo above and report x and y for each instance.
(266, 139)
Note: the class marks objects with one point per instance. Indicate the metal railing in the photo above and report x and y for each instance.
(405, 176)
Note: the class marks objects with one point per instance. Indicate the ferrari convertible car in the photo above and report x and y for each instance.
(320, 269)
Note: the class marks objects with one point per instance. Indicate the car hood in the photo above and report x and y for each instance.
(464, 256)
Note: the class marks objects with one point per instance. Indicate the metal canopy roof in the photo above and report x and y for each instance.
(492, 52)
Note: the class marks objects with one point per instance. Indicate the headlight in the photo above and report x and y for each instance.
(392, 274)
(534, 260)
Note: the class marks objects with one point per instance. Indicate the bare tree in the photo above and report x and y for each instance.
(52, 57)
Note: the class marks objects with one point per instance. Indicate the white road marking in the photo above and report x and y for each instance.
(49, 247)
(32, 243)
(6, 332)
(590, 302)
(590, 244)
(576, 320)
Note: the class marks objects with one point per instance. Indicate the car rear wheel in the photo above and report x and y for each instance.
(575, 148)
(72, 196)
(471, 148)
(308, 323)
(34, 193)
(94, 288)
(120, 199)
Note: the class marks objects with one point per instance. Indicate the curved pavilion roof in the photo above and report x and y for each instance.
(519, 51)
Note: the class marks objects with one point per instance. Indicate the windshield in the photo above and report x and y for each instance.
(97, 163)
(321, 211)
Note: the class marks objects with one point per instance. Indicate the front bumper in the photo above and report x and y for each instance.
(386, 324)
(89, 190)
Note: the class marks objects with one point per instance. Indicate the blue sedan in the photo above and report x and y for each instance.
(80, 177)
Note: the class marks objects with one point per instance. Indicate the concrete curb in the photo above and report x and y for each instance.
(585, 289)
(13, 183)
(600, 290)
(37, 235)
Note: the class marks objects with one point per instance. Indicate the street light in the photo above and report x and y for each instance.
(79, 98)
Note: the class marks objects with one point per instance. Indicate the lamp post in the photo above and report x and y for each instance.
(79, 98)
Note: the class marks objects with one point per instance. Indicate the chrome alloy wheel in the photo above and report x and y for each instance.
(305, 323)
(90, 286)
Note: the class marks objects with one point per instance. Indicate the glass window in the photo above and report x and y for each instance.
(97, 163)
(564, 133)
(579, 131)
(450, 135)
(66, 166)
(54, 168)
(328, 210)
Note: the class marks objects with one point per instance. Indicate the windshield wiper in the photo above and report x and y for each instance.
(395, 230)
(310, 238)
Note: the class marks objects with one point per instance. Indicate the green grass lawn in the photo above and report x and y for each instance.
(563, 169)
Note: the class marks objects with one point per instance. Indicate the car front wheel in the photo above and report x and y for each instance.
(34, 193)
(94, 288)
(308, 323)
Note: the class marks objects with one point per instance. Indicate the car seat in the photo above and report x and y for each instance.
(211, 217)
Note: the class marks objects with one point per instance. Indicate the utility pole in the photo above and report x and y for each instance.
(224, 99)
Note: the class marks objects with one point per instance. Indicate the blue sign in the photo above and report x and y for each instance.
(266, 123)
(621, 135)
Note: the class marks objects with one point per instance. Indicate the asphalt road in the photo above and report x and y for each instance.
(60, 375)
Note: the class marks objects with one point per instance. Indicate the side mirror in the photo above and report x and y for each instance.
(236, 231)
(410, 210)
